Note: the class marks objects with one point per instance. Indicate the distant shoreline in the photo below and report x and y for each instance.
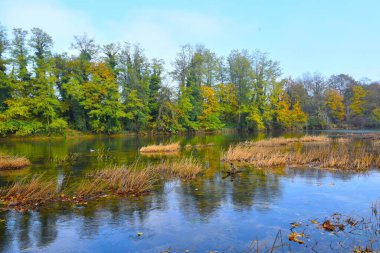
(72, 134)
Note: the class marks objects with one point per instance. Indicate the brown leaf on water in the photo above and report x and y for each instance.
(294, 237)
(363, 250)
(295, 224)
(328, 226)
(314, 221)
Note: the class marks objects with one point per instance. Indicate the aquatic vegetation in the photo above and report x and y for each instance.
(185, 168)
(118, 180)
(28, 193)
(161, 154)
(189, 146)
(66, 159)
(102, 154)
(89, 188)
(281, 141)
(126, 180)
(161, 148)
(135, 179)
(13, 162)
(313, 152)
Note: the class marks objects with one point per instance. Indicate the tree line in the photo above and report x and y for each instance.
(115, 87)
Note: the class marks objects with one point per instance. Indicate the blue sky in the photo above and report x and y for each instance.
(326, 36)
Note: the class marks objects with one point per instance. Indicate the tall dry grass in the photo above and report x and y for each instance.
(332, 154)
(185, 168)
(13, 162)
(161, 148)
(124, 180)
(281, 141)
(136, 179)
(90, 188)
(29, 193)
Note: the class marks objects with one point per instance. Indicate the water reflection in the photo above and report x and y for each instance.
(208, 213)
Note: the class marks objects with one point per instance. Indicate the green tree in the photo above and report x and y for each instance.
(101, 100)
(241, 75)
(46, 103)
(185, 108)
(155, 84)
(137, 113)
(265, 72)
(181, 64)
(5, 83)
(77, 73)
(20, 55)
(168, 113)
(33, 106)
(134, 76)
(111, 59)
(226, 94)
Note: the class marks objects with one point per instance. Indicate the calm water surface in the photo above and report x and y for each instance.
(203, 215)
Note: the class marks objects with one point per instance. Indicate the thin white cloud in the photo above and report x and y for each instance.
(161, 32)
(51, 16)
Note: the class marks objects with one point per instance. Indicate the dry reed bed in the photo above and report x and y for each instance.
(185, 168)
(29, 193)
(189, 146)
(13, 162)
(161, 148)
(133, 180)
(329, 155)
(117, 180)
(281, 141)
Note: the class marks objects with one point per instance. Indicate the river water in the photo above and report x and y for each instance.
(210, 213)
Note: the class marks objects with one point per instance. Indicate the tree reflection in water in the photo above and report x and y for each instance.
(232, 211)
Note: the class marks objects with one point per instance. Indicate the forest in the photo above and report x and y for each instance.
(115, 88)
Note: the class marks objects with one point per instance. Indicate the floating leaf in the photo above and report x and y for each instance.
(328, 226)
(294, 237)
(295, 224)
(139, 233)
(314, 221)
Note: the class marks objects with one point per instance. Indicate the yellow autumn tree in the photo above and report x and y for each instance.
(283, 111)
(357, 100)
(209, 119)
(299, 117)
(334, 104)
(289, 116)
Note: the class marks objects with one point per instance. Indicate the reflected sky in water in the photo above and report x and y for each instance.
(209, 213)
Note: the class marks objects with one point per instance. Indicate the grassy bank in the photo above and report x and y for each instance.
(306, 151)
(75, 134)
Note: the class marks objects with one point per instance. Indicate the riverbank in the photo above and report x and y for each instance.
(74, 134)
(70, 134)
